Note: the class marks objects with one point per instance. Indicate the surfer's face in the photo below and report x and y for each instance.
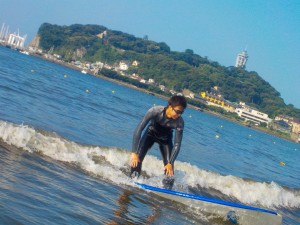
(174, 111)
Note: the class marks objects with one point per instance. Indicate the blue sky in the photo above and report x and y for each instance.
(219, 29)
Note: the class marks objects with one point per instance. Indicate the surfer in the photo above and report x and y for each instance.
(161, 122)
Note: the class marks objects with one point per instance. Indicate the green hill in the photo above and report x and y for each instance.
(175, 70)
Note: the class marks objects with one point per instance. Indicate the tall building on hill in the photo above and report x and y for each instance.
(241, 59)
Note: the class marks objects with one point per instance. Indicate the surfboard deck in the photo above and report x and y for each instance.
(232, 212)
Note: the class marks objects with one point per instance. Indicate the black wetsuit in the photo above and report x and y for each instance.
(159, 130)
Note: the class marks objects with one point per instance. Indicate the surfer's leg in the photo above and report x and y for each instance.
(146, 143)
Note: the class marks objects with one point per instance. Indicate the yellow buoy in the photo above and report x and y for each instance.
(217, 136)
(282, 163)
(87, 90)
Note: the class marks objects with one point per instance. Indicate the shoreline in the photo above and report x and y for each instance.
(62, 63)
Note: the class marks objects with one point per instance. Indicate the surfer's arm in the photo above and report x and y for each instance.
(139, 129)
(177, 144)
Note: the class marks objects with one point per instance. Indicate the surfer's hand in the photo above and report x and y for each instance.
(134, 160)
(169, 170)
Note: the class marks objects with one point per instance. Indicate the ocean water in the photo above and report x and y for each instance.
(65, 142)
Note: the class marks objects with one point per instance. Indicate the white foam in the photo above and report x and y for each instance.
(248, 192)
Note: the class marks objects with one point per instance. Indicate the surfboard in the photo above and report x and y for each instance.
(232, 212)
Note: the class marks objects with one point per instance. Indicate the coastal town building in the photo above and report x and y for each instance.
(293, 123)
(188, 94)
(162, 87)
(282, 126)
(123, 66)
(136, 76)
(172, 92)
(135, 63)
(57, 56)
(250, 114)
(241, 59)
(151, 81)
(107, 66)
(215, 98)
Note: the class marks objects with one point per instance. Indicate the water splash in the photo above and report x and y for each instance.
(112, 164)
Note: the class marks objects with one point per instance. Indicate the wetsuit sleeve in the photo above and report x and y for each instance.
(177, 143)
(140, 127)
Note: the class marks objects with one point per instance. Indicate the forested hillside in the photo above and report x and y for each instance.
(175, 70)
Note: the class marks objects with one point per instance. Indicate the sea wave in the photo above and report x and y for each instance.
(112, 164)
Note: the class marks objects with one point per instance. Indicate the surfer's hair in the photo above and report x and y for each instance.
(177, 100)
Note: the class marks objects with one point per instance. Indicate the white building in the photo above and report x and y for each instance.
(151, 81)
(123, 66)
(135, 63)
(162, 87)
(172, 92)
(16, 41)
(188, 94)
(135, 76)
(253, 115)
(241, 59)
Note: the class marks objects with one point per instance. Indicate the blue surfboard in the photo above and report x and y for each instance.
(233, 212)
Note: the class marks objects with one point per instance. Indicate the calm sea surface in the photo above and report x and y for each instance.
(65, 142)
